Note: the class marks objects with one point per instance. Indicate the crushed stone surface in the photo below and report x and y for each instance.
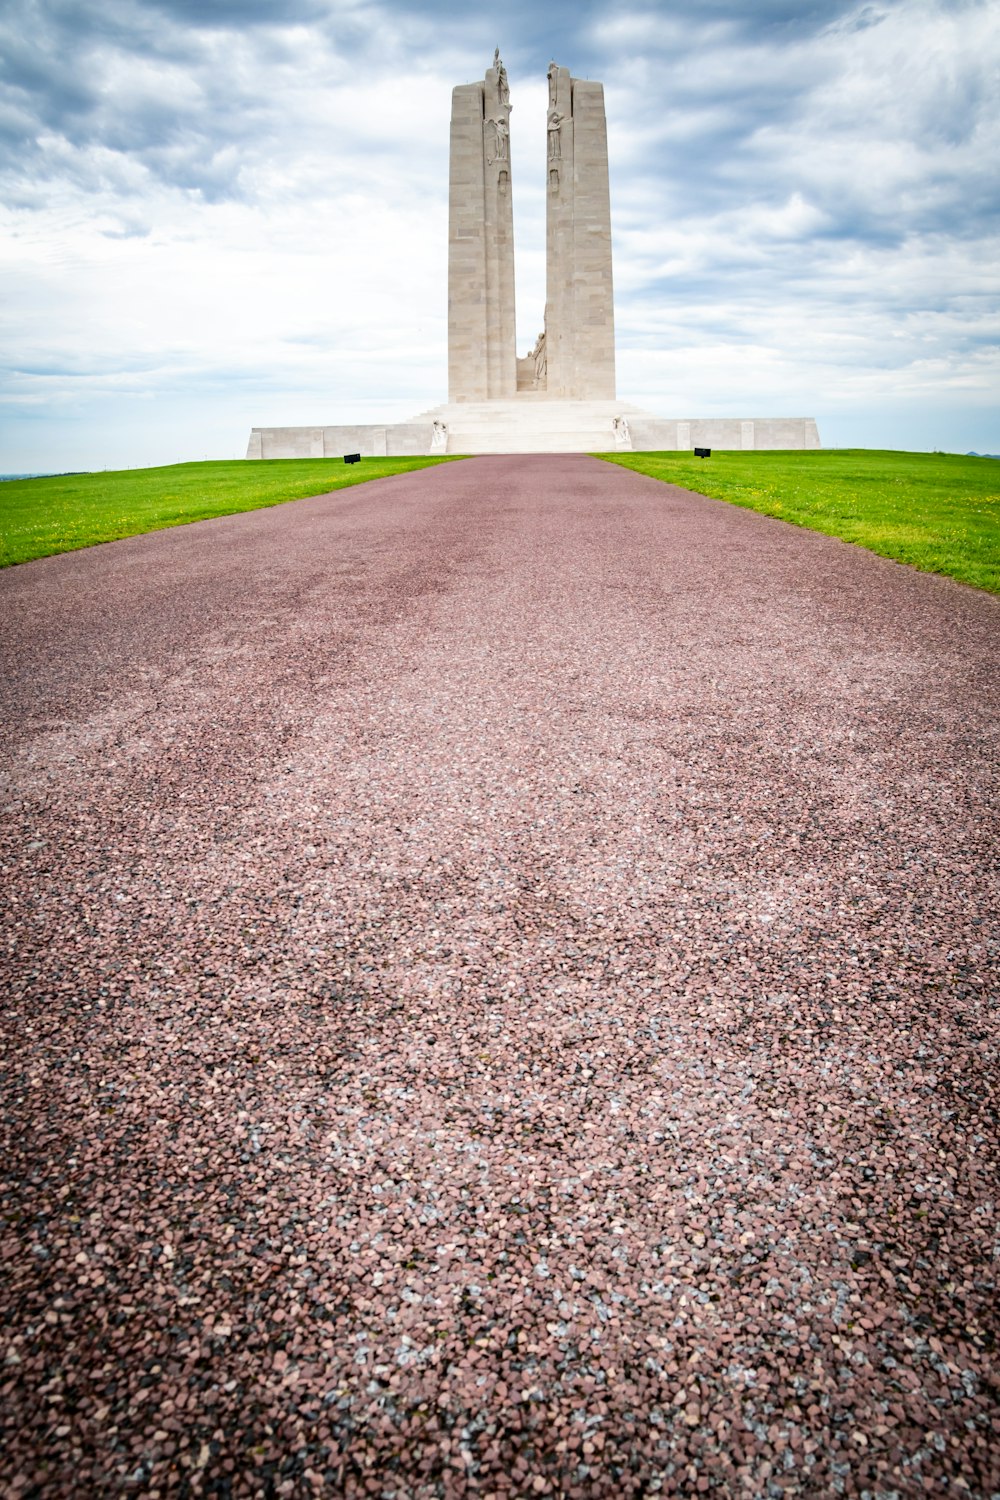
(499, 998)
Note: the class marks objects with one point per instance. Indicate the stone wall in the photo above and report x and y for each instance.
(534, 427)
(395, 439)
(657, 434)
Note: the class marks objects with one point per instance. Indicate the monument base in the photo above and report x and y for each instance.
(534, 424)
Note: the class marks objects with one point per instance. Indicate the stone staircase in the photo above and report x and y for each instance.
(530, 423)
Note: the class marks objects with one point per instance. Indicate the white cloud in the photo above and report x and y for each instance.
(246, 221)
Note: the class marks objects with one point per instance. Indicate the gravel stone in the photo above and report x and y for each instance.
(499, 998)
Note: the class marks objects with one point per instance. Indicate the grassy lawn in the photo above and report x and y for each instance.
(42, 516)
(936, 511)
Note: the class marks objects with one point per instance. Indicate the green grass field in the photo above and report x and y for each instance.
(42, 516)
(936, 511)
(939, 512)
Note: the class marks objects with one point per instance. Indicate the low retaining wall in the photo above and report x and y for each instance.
(395, 440)
(648, 435)
(656, 434)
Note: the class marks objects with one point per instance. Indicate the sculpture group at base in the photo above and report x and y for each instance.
(560, 397)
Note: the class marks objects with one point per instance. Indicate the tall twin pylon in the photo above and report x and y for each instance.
(560, 397)
(574, 357)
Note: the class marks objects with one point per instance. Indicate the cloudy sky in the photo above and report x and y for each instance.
(222, 213)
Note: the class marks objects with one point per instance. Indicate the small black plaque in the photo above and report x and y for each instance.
(703, 453)
(352, 458)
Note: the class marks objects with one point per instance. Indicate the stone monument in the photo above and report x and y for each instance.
(579, 309)
(482, 362)
(560, 397)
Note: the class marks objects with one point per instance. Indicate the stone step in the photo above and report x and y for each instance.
(577, 422)
(559, 414)
(564, 435)
(531, 424)
(472, 441)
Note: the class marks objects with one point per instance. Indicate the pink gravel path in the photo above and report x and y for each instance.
(498, 1001)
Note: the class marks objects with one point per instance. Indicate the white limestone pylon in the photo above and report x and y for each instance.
(482, 357)
(579, 309)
